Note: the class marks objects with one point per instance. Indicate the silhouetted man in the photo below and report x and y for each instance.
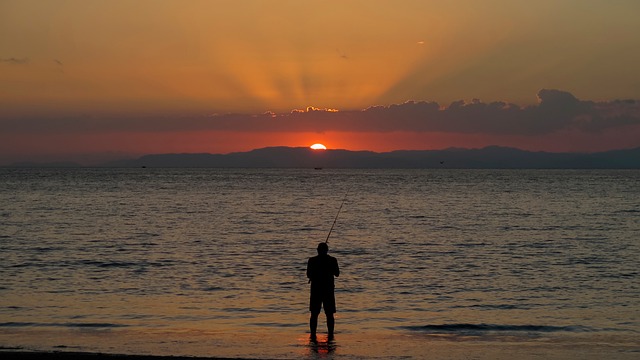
(320, 270)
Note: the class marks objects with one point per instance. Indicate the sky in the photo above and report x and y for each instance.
(91, 80)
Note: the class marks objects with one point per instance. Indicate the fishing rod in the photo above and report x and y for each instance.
(338, 214)
(336, 219)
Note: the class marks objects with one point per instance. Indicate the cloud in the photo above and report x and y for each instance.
(312, 109)
(16, 61)
(59, 65)
(556, 111)
(342, 54)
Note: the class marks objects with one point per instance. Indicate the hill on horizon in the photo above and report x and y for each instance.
(491, 157)
(495, 157)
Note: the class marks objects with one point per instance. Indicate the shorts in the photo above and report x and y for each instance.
(322, 298)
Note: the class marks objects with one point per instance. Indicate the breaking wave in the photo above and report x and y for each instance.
(492, 328)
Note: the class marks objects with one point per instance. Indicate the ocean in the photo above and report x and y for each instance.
(460, 264)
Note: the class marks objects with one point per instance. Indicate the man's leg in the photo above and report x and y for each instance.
(330, 325)
(313, 323)
(329, 310)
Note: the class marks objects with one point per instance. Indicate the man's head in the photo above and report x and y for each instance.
(323, 249)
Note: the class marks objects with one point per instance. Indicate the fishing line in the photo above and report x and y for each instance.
(336, 218)
(338, 214)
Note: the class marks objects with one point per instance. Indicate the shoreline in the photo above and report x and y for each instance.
(23, 354)
(355, 347)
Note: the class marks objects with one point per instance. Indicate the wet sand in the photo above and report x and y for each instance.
(410, 347)
(54, 344)
(61, 355)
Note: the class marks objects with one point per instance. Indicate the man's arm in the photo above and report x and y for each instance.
(336, 270)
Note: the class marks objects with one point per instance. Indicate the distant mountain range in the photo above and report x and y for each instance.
(299, 157)
(492, 157)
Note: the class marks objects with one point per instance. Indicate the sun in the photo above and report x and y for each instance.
(318, 147)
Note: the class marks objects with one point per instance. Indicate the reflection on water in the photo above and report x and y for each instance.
(323, 348)
(318, 348)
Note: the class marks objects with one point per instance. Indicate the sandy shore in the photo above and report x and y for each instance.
(434, 351)
(348, 346)
(63, 355)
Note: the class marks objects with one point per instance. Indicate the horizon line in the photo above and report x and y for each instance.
(72, 163)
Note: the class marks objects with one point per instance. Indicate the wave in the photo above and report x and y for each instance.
(627, 211)
(277, 325)
(71, 325)
(493, 307)
(493, 328)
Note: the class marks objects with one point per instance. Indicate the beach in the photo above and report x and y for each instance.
(452, 351)
(507, 346)
(61, 355)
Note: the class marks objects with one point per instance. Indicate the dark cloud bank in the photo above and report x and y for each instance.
(556, 111)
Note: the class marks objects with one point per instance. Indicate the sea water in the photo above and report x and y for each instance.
(211, 262)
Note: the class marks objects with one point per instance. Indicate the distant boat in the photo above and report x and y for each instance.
(318, 168)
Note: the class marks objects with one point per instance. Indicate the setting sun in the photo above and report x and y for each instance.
(318, 147)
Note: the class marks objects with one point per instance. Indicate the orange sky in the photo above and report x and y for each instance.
(99, 79)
